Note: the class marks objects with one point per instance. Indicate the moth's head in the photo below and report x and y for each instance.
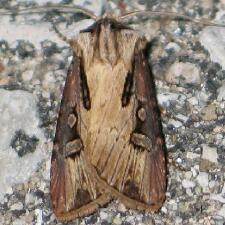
(106, 23)
(105, 33)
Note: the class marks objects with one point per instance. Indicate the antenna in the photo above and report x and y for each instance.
(48, 8)
(174, 15)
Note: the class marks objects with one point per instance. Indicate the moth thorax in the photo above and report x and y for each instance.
(108, 50)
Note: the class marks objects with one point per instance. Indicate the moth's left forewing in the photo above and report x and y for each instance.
(74, 191)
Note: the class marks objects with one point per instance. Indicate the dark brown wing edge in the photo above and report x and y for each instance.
(73, 189)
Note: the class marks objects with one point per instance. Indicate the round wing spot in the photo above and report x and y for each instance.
(142, 114)
(71, 120)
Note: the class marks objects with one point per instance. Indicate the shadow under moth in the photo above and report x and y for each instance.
(109, 142)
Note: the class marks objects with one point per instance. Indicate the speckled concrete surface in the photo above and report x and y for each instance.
(188, 62)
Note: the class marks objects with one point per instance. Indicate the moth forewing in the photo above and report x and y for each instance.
(74, 191)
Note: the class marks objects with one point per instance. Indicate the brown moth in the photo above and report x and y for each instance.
(108, 141)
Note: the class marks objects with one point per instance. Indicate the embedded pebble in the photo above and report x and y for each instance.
(38, 213)
(181, 72)
(192, 155)
(17, 206)
(9, 190)
(188, 183)
(209, 113)
(27, 75)
(165, 99)
(175, 123)
(182, 118)
(221, 93)
(221, 212)
(193, 100)
(29, 199)
(212, 38)
(103, 215)
(219, 197)
(188, 175)
(122, 207)
(209, 153)
(203, 179)
(117, 221)
(173, 45)
(19, 222)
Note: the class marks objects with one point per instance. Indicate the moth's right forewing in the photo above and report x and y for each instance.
(74, 192)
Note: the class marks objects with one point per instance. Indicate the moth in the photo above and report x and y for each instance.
(109, 142)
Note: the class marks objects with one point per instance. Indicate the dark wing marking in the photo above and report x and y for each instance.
(74, 192)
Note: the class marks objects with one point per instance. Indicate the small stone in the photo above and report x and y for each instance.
(164, 209)
(18, 222)
(182, 118)
(221, 212)
(205, 165)
(208, 159)
(219, 197)
(29, 218)
(181, 72)
(103, 215)
(209, 113)
(212, 38)
(193, 101)
(203, 179)
(191, 155)
(117, 221)
(149, 221)
(17, 206)
(165, 99)
(179, 160)
(187, 183)
(188, 175)
(27, 75)
(212, 184)
(183, 207)
(29, 199)
(173, 45)
(221, 93)
(209, 153)
(189, 192)
(9, 190)
(130, 219)
(194, 172)
(122, 208)
(45, 94)
(179, 220)
(38, 213)
(175, 123)
(203, 97)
